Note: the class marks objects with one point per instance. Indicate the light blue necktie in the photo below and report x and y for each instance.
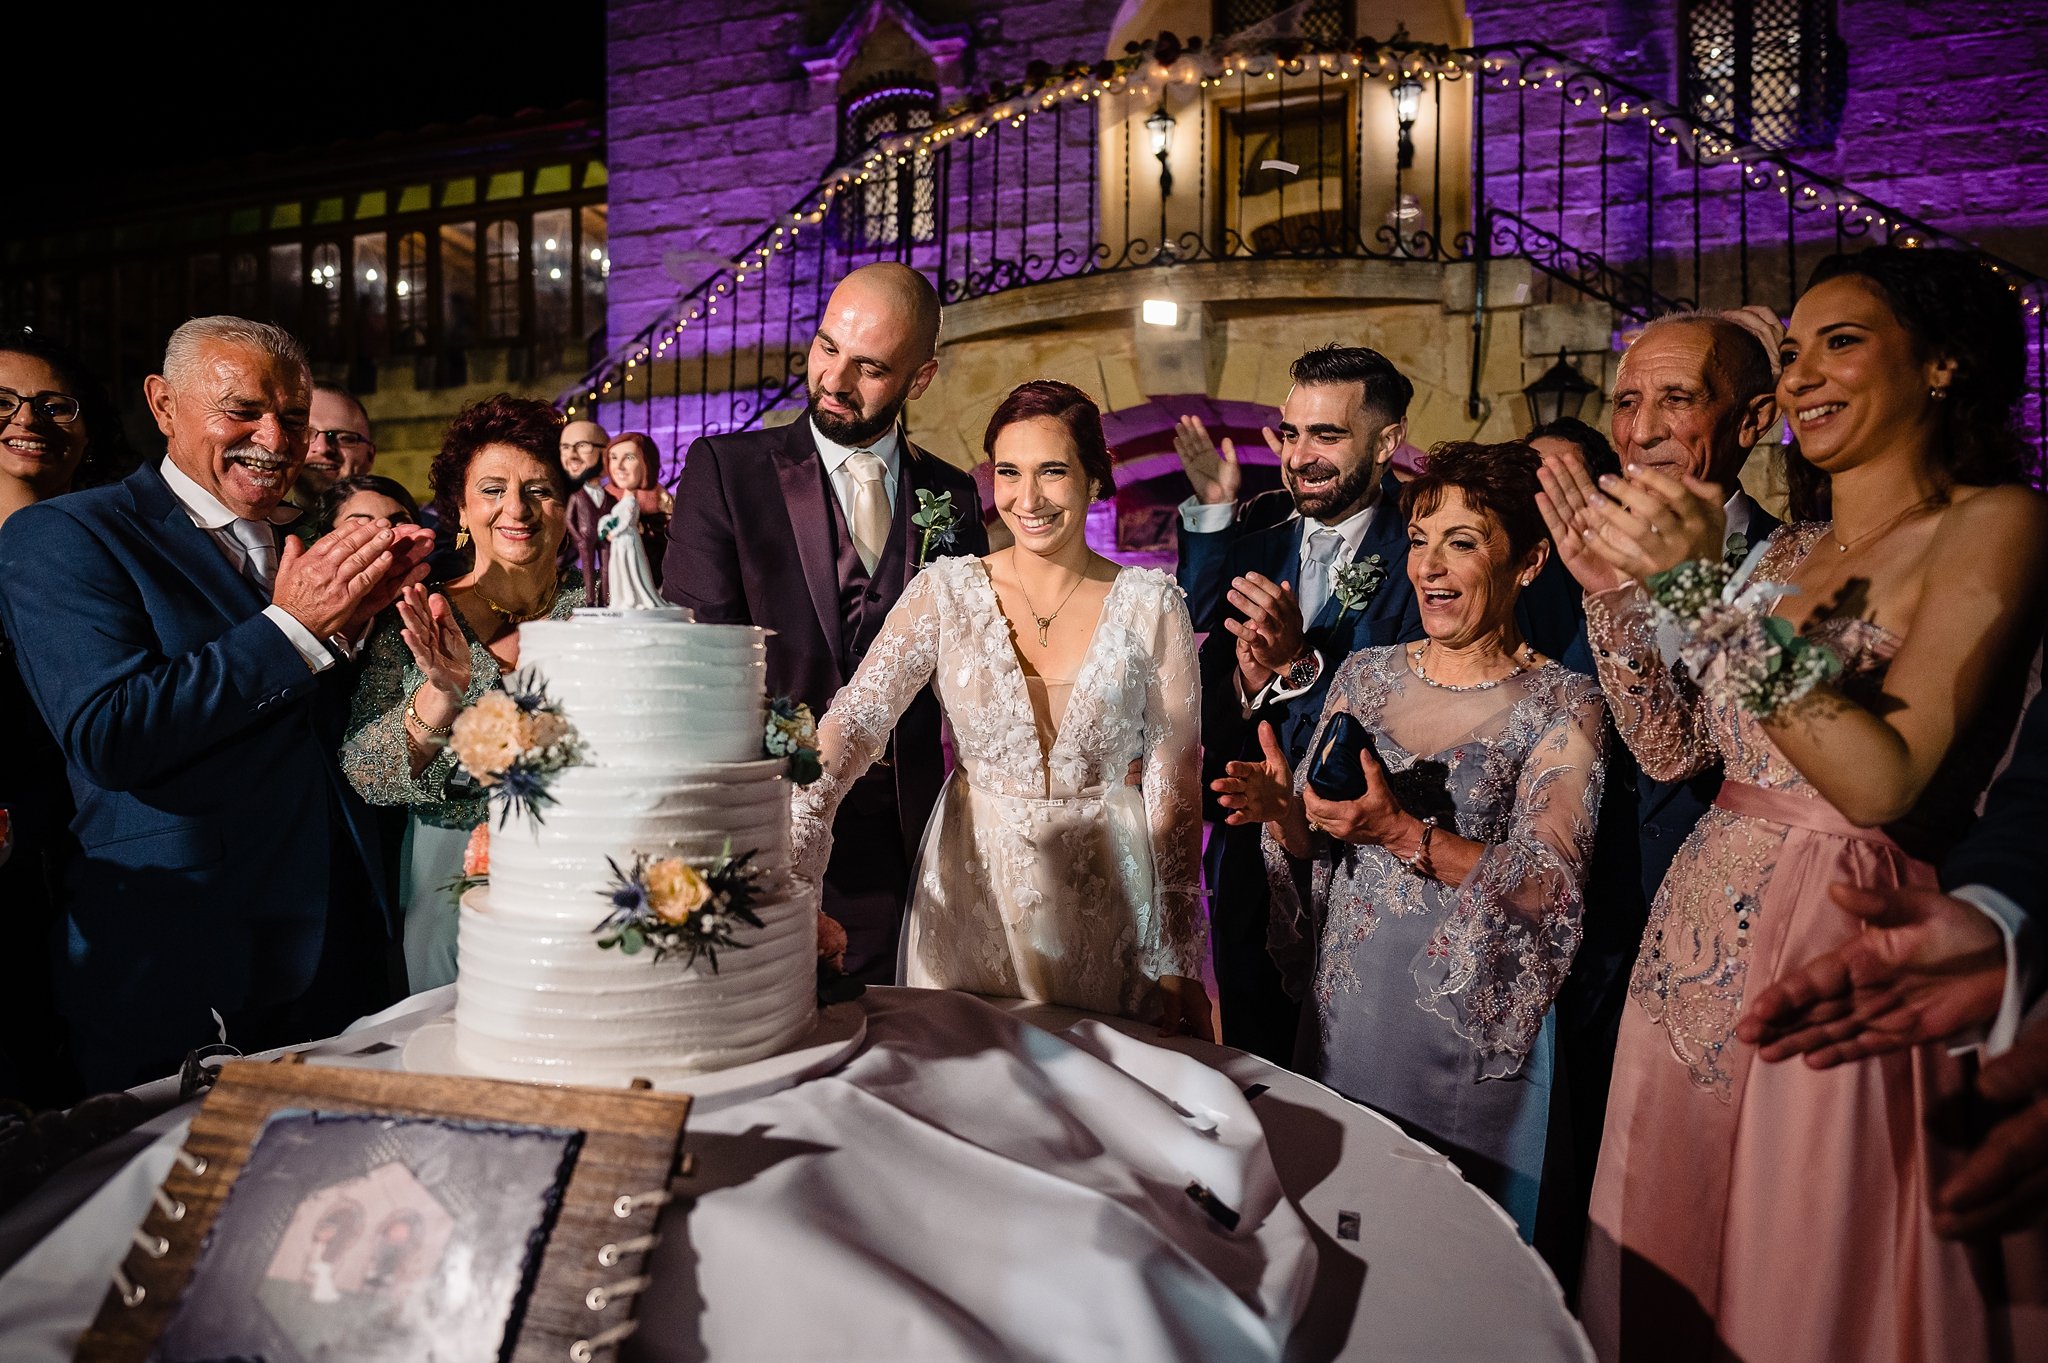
(1324, 544)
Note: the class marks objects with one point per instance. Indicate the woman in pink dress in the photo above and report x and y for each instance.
(1776, 1212)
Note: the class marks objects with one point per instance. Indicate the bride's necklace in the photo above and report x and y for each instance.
(1044, 622)
(1867, 535)
(1516, 665)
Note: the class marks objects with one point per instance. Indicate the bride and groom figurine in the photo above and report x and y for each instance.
(1038, 869)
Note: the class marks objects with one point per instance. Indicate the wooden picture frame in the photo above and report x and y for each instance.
(579, 1300)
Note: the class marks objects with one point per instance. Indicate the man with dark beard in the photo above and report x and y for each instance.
(1302, 595)
(806, 530)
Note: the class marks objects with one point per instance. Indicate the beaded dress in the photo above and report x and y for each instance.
(1768, 1211)
(1431, 1002)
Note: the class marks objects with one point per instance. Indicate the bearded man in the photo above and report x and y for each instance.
(806, 531)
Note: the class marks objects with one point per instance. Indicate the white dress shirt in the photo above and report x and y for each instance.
(889, 449)
(217, 521)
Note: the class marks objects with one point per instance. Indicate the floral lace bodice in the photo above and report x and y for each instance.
(1134, 696)
(1517, 767)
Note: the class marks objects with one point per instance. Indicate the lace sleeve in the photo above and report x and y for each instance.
(1656, 707)
(1172, 783)
(857, 724)
(1494, 967)
(374, 753)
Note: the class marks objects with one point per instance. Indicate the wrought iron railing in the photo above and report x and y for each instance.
(1388, 151)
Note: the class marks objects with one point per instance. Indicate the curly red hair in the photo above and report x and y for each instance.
(1498, 479)
(526, 424)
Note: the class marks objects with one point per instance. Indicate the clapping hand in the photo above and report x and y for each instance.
(1269, 636)
(1259, 792)
(1564, 502)
(1650, 522)
(2003, 1185)
(1216, 480)
(1925, 967)
(348, 575)
(436, 642)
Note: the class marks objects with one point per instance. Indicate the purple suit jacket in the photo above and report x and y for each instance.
(752, 542)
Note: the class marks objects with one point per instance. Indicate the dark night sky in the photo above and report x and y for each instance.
(95, 92)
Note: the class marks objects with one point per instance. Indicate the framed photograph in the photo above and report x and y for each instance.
(322, 1213)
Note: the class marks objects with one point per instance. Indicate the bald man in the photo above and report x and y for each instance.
(806, 530)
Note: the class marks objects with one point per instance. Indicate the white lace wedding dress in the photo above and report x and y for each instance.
(1043, 874)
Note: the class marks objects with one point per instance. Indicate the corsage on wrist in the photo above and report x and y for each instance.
(1738, 651)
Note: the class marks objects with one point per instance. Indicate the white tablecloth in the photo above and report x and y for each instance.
(969, 1187)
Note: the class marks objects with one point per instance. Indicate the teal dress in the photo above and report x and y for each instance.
(375, 757)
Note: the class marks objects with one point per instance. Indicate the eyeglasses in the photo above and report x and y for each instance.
(344, 440)
(582, 447)
(61, 408)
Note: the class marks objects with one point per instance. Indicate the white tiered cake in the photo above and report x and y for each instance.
(670, 714)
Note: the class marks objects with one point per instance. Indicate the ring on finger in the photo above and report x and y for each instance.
(1314, 827)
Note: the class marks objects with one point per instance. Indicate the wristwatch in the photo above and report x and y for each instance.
(1301, 674)
(342, 647)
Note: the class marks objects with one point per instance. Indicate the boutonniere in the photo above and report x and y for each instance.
(936, 518)
(1737, 548)
(1354, 584)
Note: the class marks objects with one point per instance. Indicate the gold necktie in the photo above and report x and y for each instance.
(870, 506)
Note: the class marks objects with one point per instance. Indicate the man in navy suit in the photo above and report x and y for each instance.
(186, 660)
(1285, 631)
(806, 530)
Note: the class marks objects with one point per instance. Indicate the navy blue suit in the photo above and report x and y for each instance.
(1257, 1015)
(214, 827)
(2007, 849)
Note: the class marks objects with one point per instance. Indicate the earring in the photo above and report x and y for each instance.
(1938, 392)
(461, 536)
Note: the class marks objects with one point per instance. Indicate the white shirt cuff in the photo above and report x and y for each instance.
(311, 649)
(2023, 951)
(1276, 692)
(1198, 517)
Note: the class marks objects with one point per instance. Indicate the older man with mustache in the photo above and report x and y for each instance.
(184, 652)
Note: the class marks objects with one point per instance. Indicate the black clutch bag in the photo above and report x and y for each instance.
(1336, 773)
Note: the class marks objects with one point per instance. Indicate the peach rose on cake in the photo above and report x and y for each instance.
(674, 889)
(476, 855)
(487, 736)
(831, 941)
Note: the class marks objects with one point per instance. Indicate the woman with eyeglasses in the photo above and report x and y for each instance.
(57, 432)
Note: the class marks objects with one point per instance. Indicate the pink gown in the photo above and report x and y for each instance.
(1768, 1212)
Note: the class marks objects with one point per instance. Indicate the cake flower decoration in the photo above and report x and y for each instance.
(512, 740)
(668, 904)
(793, 733)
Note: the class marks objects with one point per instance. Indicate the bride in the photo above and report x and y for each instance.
(1045, 873)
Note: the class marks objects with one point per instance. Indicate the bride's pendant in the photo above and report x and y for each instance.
(1044, 628)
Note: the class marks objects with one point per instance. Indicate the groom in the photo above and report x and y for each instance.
(806, 530)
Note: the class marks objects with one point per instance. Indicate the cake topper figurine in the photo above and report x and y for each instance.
(629, 582)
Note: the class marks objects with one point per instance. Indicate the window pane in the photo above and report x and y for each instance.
(370, 284)
(203, 284)
(324, 274)
(458, 284)
(411, 289)
(597, 267)
(552, 322)
(242, 284)
(287, 287)
(501, 279)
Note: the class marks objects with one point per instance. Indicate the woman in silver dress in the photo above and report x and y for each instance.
(1429, 922)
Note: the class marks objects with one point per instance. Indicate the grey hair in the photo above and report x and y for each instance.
(1743, 363)
(182, 351)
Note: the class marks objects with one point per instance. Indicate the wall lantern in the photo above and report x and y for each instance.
(1407, 105)
(1160, 125)
(1561, 391)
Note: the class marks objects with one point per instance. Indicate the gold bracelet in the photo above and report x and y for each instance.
(413, 714)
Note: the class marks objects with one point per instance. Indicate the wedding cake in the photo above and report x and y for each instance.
(567, 962)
